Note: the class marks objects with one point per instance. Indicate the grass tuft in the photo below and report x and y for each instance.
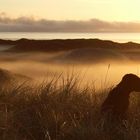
(61, 111)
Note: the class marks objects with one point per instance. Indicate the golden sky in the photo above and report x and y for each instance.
(109, 10)
(70, 15)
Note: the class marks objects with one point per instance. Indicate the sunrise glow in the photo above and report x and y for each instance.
(110, 10)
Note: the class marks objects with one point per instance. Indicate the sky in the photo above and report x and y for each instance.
(115, 14)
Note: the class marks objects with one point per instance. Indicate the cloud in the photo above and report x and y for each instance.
(30, 24)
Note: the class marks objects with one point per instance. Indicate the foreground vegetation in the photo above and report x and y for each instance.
(61, 111)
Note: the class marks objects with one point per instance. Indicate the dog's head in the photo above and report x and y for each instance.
(131, 82)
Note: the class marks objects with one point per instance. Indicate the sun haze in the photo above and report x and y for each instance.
(109, 10)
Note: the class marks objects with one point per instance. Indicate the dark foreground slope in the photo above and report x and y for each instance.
(24, 45)
(8, 78)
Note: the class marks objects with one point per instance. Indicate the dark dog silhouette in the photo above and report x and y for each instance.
(117, 102)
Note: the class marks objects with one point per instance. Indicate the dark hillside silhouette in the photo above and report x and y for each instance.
(24, 45)
(7, 77)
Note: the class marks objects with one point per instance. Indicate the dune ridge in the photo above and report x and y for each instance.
(56, 45)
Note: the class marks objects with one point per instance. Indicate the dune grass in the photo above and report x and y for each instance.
(61, 111)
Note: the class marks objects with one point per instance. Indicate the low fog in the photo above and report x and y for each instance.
(99, 66)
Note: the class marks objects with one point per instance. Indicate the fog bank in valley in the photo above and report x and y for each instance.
(92, 64)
